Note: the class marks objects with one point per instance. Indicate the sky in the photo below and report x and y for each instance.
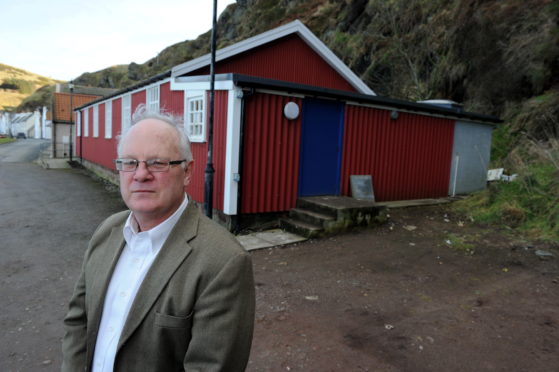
(62, 39)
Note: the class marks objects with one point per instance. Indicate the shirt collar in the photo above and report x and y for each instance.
(158, 234)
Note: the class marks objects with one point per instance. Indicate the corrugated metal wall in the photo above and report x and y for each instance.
(102, 120)
(408, 158)
(171, 101)
(137, 99)
(288, 59)
(270, 166)
(117, 117)
(103, 151)
(99, 149)
(79, 139)
(200, 153)
(88, 148)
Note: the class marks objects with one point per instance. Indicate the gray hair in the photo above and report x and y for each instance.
(143, 113)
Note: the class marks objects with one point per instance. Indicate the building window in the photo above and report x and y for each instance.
(153, 98)
(96, 121)
(109, 119)
(195, 119)
(86, 122)
(78, 123)
(126, 112)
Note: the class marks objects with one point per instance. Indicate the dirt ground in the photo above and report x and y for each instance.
(424, 292)
(394, 298)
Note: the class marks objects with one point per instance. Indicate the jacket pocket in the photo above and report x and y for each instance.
(172, 321)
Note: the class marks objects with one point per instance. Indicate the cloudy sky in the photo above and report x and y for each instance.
(62, 39)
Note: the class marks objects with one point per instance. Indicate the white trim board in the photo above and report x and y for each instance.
(232, 152)
(180, 84)
(295, 27)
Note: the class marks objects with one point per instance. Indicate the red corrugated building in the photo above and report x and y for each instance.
(264, 158)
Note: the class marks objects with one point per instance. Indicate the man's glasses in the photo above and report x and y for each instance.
(153, 165)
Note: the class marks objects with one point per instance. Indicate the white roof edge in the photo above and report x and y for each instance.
(271, 35)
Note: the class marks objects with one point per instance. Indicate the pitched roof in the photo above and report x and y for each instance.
(61, 105)
(295, 27)
(349, 97)
(21, 117)
(83, 89)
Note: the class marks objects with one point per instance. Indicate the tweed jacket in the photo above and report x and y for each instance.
(194, 311)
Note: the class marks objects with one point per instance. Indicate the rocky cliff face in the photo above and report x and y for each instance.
(496, 57)
(481, 53)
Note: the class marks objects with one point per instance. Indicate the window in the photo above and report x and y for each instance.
(86, 122)
(96, 121)
(79, 123)
(153, 98)
(195, 119)
(109, 119)
(126, 113)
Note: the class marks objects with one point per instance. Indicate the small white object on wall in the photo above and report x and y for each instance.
(291, 110)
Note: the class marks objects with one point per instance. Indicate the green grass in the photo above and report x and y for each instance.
(6, 140)
(530, 204)
(460, 244)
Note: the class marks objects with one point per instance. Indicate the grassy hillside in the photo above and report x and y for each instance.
(17, 84)
(496, 57)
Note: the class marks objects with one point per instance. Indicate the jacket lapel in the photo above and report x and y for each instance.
(170, 257)
(102, 273)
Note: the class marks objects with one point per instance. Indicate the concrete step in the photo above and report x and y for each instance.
(310, 205)
(308, 230)
(310, 216)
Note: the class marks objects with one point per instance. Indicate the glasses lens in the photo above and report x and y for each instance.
(157, 165)
(126, 165)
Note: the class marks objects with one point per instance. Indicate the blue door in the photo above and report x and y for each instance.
(321, 145)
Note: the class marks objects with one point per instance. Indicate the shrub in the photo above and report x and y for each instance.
(23, 86)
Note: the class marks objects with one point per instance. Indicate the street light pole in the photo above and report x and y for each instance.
(71, 86)
(209, 172)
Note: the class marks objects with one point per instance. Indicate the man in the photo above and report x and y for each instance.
(162, 287)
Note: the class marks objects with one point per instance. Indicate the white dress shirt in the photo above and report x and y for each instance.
(135, 260)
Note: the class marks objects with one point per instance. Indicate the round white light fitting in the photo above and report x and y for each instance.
(291, 110)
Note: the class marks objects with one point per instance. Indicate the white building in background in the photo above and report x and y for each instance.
(46, 125)
(37, 130)
(4, 123)
(32, 124)
(23, 122)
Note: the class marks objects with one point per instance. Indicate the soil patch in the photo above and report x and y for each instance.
(427, 291)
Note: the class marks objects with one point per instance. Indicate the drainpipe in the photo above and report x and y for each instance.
(237, 219)
(81, 136)
(71, 86)
(53, 132)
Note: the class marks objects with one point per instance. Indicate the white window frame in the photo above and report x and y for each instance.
(152, 98)
(96, 121)
(195, 117)
(109, 119)
(79, 124)
(126, 112)
(86, 122)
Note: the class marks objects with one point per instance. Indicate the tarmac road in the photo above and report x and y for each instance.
(22, 150)
(46, 219)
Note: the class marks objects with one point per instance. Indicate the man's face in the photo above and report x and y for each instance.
(153, 196)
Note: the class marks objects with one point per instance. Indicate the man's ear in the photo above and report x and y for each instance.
(188, 173)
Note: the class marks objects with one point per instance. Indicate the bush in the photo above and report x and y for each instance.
(9, 86)
(529, 204)
(23, 86)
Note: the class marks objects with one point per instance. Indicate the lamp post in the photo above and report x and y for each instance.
(71, 86)
(209, 172)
